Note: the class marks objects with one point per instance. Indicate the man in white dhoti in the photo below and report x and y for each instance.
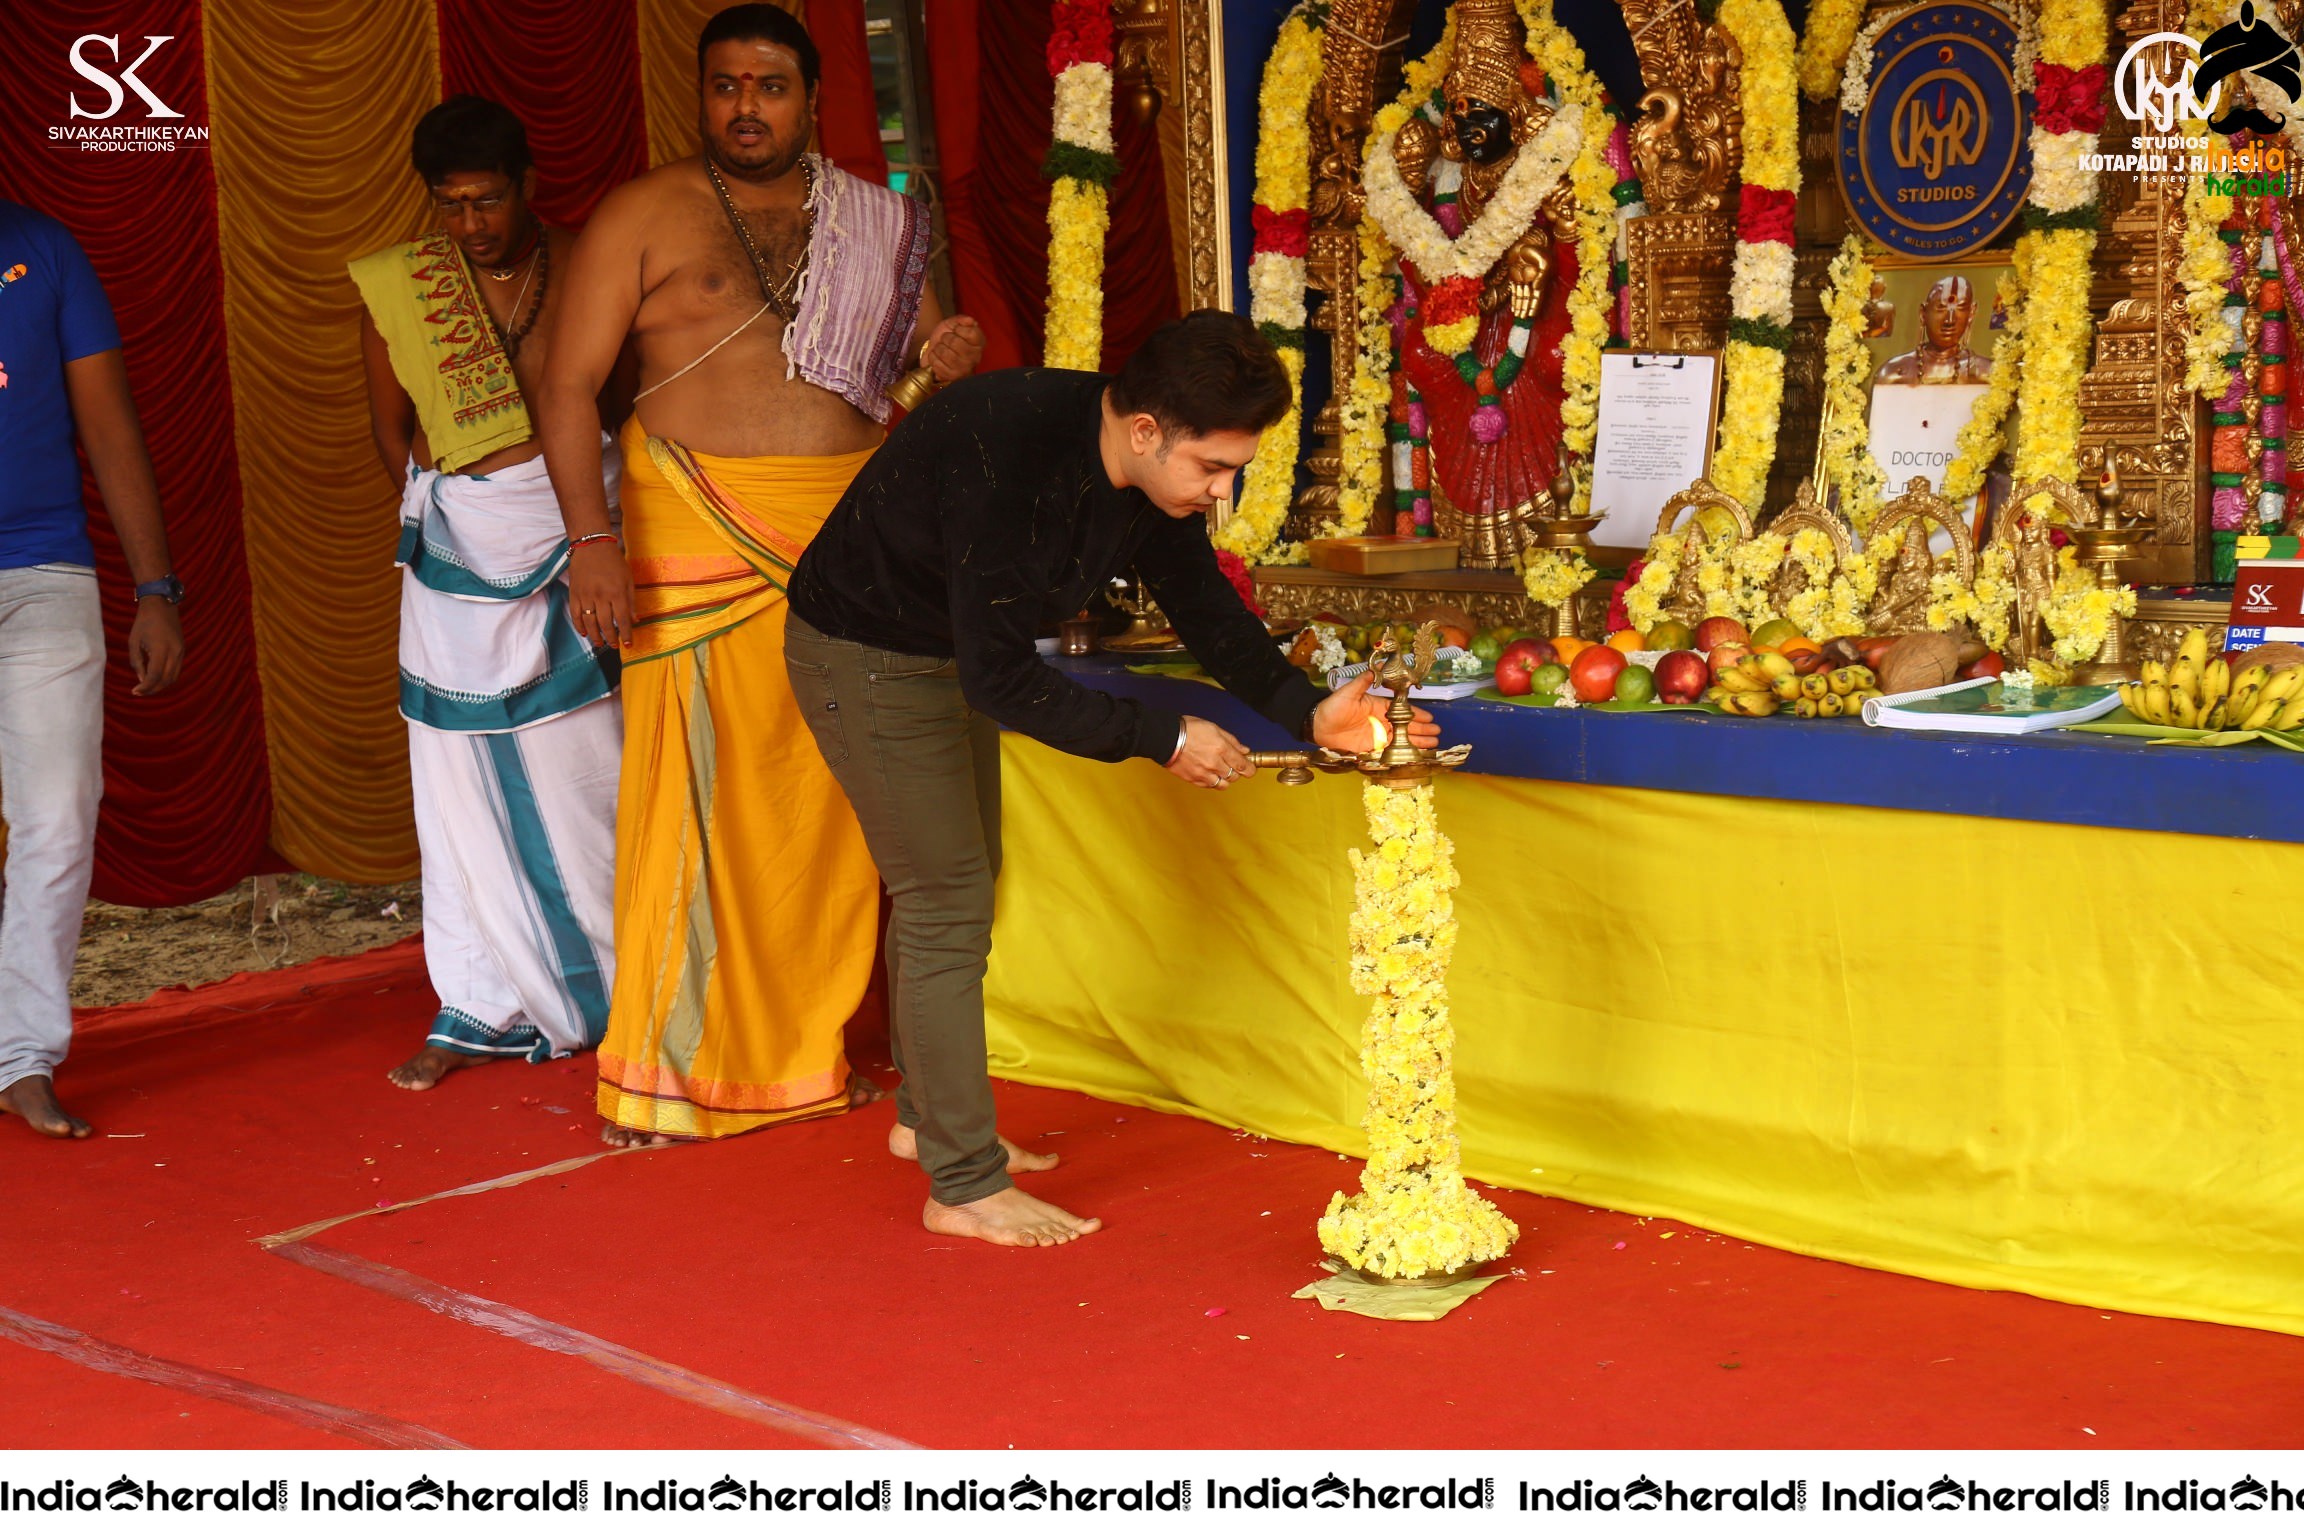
(514, 730)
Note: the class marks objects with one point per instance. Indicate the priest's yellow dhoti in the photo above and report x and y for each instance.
(746, 902)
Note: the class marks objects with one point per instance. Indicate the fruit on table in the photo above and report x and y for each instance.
(1842, 651)
(1568, 648)
(1488, 645)
(1848, 681)
(1989, 664)
(1670, 635)
(1681, 677)
(1727, 654)
(1752, 706)
(1635, 685)
(1919, 661)
(1628, 641)
(1875, 647)
(1719, 630)
(1816, 685)
(1516, 662)
(1593, 673)
(1775, 632)
(1759, 672)
(1548, 680)
(2197, 690)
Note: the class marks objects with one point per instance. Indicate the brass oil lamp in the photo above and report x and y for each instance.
(2104, 544)
(1391, 757)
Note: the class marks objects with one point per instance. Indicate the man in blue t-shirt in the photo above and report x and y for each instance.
(61, 376)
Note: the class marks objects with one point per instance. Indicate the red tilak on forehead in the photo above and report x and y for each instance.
(745, 76)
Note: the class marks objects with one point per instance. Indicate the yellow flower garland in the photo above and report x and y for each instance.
(1360, 444)
(2079, 613)
(1413, 1215)
(1984, 434)
(1847, 448)
(1761, 288)
(1077, 218)
(2205, 272)
(1283, 184)
(1824, 45)
(2057, 325)
(2057, 268)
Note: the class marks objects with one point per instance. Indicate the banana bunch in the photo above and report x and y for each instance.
(1749, 687)
(1828, 695)
(2197, 691)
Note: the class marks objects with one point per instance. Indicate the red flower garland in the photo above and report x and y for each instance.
(1235, 571)
(1282, 234)
(2065, 99)
(1764, 215)
(1082, 35)
(1457, 298)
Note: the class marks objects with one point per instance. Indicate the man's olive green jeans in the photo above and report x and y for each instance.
(923, 771)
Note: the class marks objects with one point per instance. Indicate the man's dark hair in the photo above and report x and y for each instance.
(761, 24)
(1208, 372)
(469, 133)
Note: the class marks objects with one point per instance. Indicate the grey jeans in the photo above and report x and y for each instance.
(51, 776)
(922, 770)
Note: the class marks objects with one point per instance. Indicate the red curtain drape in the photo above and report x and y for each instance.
(847, 109)
(570, 71)
(988, 65)
(187, 801)
(955, 92)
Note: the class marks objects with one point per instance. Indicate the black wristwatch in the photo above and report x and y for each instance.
(167, 586)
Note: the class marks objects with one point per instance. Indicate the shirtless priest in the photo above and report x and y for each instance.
(774, 299)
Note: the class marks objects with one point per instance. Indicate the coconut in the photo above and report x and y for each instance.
(1919, 661)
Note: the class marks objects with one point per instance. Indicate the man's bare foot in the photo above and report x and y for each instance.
(625, 1136)
(862, 1091)
(1009, 1219)
(903, 1142)
(34, 1098)
(425, 1069)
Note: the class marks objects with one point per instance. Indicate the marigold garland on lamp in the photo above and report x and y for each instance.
(1413, 1219)
(1081, 164)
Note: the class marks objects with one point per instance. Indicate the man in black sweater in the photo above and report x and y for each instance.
(997, 509)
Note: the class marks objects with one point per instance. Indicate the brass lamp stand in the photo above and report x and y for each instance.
(2104, 545)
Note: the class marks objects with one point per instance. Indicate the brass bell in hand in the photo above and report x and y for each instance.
(912, 391)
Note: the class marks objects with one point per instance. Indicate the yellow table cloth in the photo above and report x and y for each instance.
(2007, 1055)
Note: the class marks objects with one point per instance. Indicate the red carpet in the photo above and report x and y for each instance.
(756, 1291)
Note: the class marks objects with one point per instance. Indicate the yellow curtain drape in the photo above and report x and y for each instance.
(310, 107)
(668, 31)
(1952, 1047)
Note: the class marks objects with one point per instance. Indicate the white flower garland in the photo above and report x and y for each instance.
(1418, 236)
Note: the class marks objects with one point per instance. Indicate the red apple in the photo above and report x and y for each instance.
(1719, 630)
(1593, 673)
(1987, 665)
(1518, 661)
(1727, 654)
(1682, 677)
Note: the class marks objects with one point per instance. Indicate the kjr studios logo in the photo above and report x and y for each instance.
(2169, 76)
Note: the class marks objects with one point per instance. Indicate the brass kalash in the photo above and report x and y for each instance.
(1391, 757)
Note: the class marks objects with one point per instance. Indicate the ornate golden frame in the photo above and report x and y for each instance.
(1698, 499)
(1919, 502)
(1169, 47)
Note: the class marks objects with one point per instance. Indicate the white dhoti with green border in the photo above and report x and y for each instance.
(515, 738)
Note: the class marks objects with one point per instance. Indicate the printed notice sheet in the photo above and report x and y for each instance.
(1654, 440)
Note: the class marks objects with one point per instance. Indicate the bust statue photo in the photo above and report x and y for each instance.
(1943, 356)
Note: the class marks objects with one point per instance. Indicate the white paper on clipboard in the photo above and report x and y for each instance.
(1654, 438)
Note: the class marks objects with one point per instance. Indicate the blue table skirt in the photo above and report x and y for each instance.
(2076, 778)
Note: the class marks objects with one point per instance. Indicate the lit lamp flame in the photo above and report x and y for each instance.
(1379, 734)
